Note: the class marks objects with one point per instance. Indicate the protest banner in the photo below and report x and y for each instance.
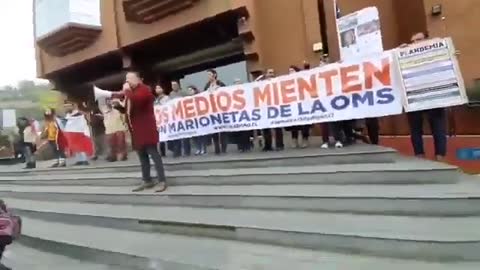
(430, 75)
(359, 34)
(335, 92)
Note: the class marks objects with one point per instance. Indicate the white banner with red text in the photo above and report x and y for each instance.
(335, 92)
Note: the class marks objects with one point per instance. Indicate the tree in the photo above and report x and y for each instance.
(26, 85)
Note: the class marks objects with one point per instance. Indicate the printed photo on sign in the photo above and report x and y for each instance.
(369, 28)
(348, 38)
(430, 75)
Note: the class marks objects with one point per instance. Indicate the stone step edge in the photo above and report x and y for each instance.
(420, 207)
(122, 261)
(326, 169)
(249, 219)
(447, 191)
(430, 251)
(329, 261)
(170, 162)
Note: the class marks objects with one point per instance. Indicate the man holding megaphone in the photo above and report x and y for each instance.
(142, 125)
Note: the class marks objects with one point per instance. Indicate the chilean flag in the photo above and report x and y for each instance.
(77, 133)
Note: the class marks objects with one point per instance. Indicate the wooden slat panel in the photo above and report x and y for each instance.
(165, 12)
(148, 11)
(68, 40)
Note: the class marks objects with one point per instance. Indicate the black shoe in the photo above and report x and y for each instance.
(85, 163)
(111, 159)
(30, 166)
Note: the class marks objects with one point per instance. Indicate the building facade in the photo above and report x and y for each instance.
(95, 41)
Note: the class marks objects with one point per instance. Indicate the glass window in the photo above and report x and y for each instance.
(52, 15)
(227, 74)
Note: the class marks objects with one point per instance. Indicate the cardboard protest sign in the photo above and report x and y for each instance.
(430, 75)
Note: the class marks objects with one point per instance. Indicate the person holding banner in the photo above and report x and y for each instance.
(143, 129)
(201, 142)
(373, 130)
(295, 130)
(160, 99)
(267, 133)
(436, 118)
(182, 144)
(243, 137)
(334, 127)
(220, 140)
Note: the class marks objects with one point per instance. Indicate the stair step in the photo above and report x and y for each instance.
(21, 257)
(357, 154)
(433, 200)
(430, 238)
(142, 249)
(404, 172)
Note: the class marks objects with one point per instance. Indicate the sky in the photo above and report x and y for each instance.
(17, 52)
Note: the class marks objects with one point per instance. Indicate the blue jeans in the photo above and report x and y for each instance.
(81, 157)
(438, 125)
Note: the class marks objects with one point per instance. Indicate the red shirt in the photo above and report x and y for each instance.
(141, 118)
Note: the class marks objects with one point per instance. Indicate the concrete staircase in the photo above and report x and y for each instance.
(361, 207)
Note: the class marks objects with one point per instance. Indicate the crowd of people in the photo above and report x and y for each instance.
(131, 111)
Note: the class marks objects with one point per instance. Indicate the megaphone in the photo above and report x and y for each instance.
(101, 94)
(259, 78)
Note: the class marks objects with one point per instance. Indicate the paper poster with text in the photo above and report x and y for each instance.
(9, 118)
(430, 75)
(359, 34)
(355, 90)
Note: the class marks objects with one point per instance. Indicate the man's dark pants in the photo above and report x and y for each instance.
(373, 129)
(267, 136)
(220, 142)
(438, 126)
(144, 155)
(179, 145)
